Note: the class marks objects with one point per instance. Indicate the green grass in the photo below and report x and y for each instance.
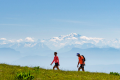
(8, 72)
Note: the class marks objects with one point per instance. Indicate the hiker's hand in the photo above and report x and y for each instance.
(77, 65)
(50, 64)
(58, 65)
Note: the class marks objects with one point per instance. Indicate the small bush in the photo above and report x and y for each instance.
(114, 73)
(24, 76)
(36, 68)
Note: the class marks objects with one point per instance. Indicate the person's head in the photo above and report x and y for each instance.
(78, 54)
(55, 53)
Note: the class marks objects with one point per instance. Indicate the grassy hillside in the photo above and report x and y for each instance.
(9, 72)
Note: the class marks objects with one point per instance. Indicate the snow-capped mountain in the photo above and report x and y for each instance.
(63, 43)
(72, 40)
(78, 41)
(28, 47)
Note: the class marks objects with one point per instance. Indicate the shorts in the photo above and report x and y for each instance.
(82, 65)
(56, 64)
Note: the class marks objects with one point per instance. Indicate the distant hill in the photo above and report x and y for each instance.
(28, 48)
(95, 55)
(8, 55)
(34, 60)
(8, 51)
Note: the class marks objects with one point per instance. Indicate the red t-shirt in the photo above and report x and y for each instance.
(56, 60)
(81, 60)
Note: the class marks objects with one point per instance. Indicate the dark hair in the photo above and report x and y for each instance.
(55, 52)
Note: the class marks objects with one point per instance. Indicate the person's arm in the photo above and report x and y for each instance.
(78, 64)
(53, 61)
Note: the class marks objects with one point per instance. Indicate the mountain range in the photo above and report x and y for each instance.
(61, 43)
(41, 52)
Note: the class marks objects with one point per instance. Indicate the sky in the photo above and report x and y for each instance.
(43, 19)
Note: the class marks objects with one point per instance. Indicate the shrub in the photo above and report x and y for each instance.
(36, 68)
(114, 73)
(24, 76)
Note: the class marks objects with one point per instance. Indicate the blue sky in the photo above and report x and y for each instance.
(43, 19)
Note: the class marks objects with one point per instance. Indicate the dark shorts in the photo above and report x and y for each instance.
(82, 65)
(56, 64)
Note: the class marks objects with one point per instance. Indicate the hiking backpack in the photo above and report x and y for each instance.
(83, 57)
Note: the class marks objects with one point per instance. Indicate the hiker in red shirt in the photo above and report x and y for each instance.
(81, 62)
(56, 60)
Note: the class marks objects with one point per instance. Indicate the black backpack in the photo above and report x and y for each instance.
(84, 58)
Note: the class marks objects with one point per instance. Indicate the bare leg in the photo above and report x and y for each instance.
(79, 68)
(82, 69)
(57, 67)
(54, 67)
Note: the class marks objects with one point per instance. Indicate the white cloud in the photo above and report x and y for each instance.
(90, 38)
(42, 41)
(65, 37)
(72, 34)
(72, 38)
(29, 39)
(3, 39)
(20, 40)
(54, 39)
(33, 45)
(30, 45)
(84, 41)
(65, 40)
(27, 45)
(11, 40)
(3, 43)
